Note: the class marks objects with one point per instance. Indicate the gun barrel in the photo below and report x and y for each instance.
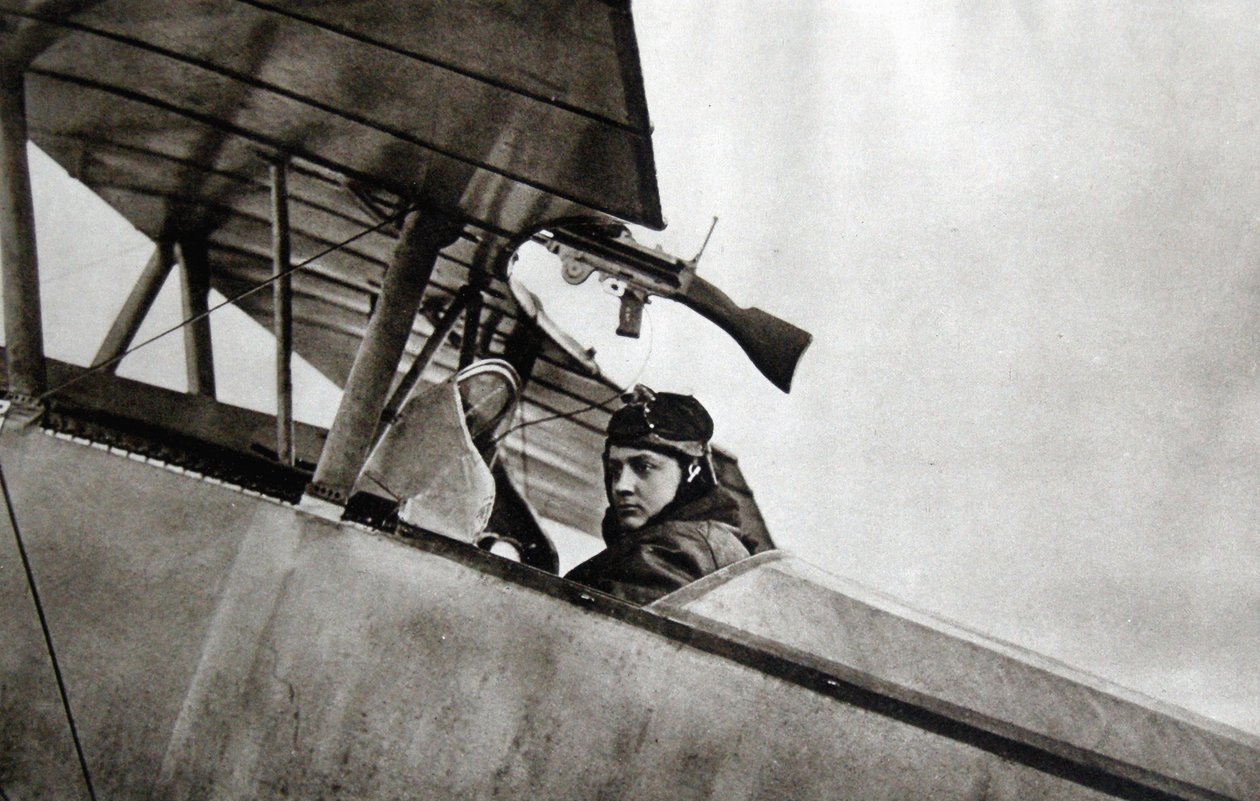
(655, 271)
(773, 345)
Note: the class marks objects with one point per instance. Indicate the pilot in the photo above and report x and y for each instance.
(668, 521)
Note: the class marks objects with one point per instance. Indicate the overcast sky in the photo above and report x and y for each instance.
(1024, 237)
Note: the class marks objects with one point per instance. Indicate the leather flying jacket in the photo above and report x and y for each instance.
(674, 549)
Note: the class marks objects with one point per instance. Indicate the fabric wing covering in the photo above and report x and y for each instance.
(513, 115)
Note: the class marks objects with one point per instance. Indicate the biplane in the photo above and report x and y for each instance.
(209, 602)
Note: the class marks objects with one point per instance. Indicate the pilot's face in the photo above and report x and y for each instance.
(641, 483)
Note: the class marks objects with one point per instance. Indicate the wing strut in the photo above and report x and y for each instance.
(441, 330)
(424, 234)
(127, 324)
(23, 328)
(488, 251)
(282, 309)
(194, 269)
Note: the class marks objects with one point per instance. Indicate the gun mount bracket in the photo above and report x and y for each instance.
(575, 269)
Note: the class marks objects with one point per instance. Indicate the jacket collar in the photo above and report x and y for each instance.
(717, 505)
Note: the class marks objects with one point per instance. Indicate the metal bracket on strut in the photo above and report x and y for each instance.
(17, 412)
(321, 501)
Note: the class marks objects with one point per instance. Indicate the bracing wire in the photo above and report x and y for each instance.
(561, 416)
(43, 624)
(393, 495)
(262, 285)
(12, 515)
(80, 269)
(599, 404)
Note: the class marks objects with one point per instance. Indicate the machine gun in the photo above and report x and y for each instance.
(634, 272)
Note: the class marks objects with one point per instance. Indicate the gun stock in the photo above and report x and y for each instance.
(774, 346)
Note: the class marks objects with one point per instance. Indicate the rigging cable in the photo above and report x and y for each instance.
(43, 624)
(270, 280)
(79, 269)
(599, 404)
(8, 499)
